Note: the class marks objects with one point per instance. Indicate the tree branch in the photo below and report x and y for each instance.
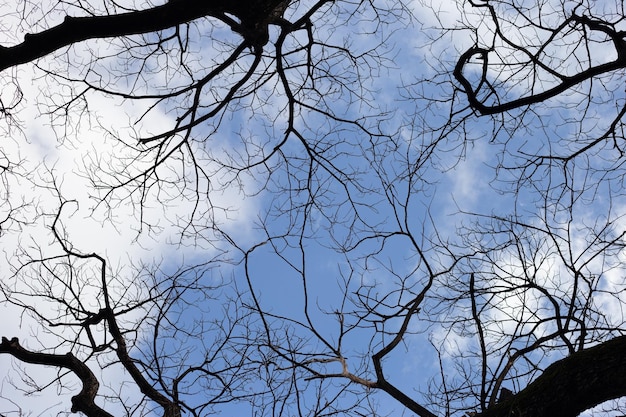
(566, 84)
(77, 29)
(84, 400)
(171, 408)
(381, 381)
(572, 385)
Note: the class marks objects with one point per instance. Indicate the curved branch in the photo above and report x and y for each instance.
(170, 408)
(82, 402)
(572, 385)
(568, 82)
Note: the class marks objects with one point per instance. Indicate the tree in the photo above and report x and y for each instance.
(277, 106)
(557, 264)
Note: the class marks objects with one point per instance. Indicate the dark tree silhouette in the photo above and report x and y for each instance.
(547, 76)
(352, 261)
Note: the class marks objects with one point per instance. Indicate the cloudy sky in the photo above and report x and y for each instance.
(182, 216)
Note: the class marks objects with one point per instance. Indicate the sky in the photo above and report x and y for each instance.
(173, 230)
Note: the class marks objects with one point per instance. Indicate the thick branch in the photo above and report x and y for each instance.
(77, 29)
(572, 385)
(84, 400)
(566, 84)
(170, 408)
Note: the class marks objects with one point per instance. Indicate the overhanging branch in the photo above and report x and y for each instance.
(501, 107)
(77, 29)
(84, 400)
(586, 24)
(169, 15)
(572, 385)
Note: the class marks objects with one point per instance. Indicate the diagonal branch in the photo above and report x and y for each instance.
(566, 84)
(170, 408)
(572, 385)
(84, 400)
(77, 29)
(381, 381)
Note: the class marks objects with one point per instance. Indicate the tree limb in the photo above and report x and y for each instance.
(171, 14)
(381, 381)
(82, 402)
(566, 84)
(572, 385)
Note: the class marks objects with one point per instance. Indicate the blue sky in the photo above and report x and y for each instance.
(334, 235)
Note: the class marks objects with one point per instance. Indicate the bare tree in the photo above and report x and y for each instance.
(350, 266)
(543, 296)
(303, 98)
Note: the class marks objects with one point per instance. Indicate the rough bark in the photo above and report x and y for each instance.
(572, 385)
